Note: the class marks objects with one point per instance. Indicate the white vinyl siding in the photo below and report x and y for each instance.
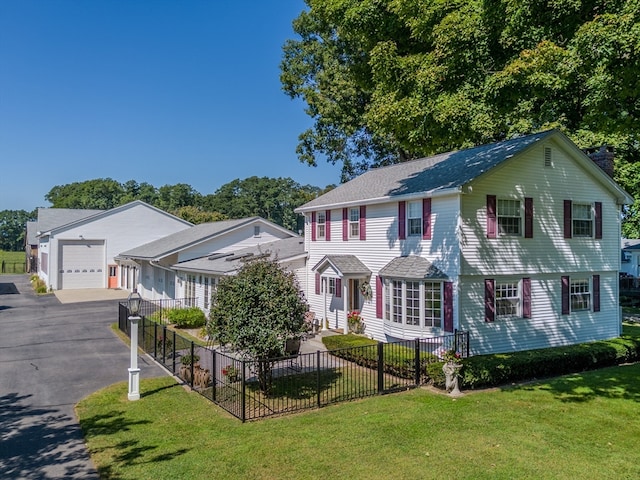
(547, 327)
(378, 250)
(550, 252)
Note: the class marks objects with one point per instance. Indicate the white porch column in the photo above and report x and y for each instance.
(345, 298)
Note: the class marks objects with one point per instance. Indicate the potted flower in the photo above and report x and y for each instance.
(355, 322)
(231, 372)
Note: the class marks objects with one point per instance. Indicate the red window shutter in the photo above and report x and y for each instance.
(338, 287)
(596, 292)
(426, 219)
(448, 306)
(313, 226)
(327, 228)
(567, 219)
(489, 300)
(491, 216)
(378, 297)
(528, 217)
(402, 223)
(317, 284)
(363, 222)
(566, 310)
(526, 297)
(598, 213)
(345, 224)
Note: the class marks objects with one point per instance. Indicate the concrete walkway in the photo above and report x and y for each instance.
(54, 351)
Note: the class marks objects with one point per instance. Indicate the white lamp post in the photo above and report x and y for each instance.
(134, 372)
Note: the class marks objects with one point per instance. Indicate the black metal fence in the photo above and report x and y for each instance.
(13, 267)
(157, 310)
(254, 389)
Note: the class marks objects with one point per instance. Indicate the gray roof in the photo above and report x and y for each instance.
(343, 264)
(432, 174)
(50, 218)
(412, 267)
(185, 238)
(229, 263)
(32, 228)
(630, 244)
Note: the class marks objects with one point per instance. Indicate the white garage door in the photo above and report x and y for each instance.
(83, 264)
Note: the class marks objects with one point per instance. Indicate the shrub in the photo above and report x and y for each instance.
(191, 317)
(504, 368)
(38, 284)
(187, 360)
(399, 360)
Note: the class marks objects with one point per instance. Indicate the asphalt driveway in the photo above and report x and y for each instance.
(52, 355)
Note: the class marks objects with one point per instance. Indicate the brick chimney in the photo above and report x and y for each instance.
(603, 157)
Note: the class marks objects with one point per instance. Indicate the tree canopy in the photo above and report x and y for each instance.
(13, 229)
(254, 311)
(391, 80)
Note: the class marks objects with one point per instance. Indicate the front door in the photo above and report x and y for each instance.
(354, 294)
(113, 276)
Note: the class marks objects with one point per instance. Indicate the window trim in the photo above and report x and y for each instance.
(397, 303)
(503, 216)
(321, 225)
(351, 222)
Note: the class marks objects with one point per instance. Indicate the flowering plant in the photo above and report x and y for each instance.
(231, 372)
(354, 319)
(451, 356)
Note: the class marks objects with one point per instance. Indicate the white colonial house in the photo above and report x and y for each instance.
(183, 265)
(77, 248)
(517, 242)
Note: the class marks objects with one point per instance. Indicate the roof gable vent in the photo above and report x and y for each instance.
(547, 157)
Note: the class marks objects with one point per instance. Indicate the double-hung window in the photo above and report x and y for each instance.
(582, 220)
(509, 217)
(321, 225)
(507, 299)
(433, 304)
(414, 218)
(354, 222)
(580, 294)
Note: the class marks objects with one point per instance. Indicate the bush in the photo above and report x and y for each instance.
(38, 284)
(191, 317)
(399, 360)
(504, 368)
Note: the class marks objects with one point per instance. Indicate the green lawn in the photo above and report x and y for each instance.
(577, 426)
(14, 261)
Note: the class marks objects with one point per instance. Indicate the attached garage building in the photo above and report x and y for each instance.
(77, 248)
(82, 264)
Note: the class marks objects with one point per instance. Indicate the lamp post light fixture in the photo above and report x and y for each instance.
(133, 304)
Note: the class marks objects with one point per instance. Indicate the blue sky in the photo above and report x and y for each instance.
(156, 91)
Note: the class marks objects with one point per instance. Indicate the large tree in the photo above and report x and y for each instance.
(13, 225)
(254, 312)
(392, 80)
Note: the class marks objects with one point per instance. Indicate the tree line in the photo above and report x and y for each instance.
(271, 198)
